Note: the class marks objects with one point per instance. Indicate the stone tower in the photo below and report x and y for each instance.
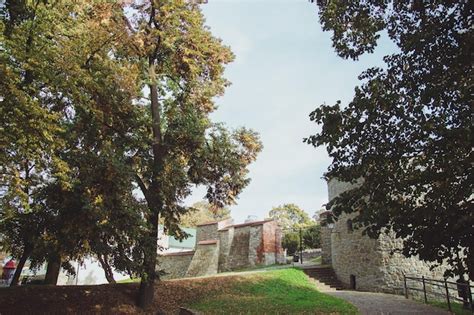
(364, 263)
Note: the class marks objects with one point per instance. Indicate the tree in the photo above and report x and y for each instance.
(202, 212)
(182, 66)
(290, 216)
(30, 117)
(69, 79)
(291, 242)
(407, 132)
(129, 108)
(312, 237)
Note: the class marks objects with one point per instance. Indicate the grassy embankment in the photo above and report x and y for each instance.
(283, 291)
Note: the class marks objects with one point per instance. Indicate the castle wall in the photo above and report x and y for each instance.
(239, 249)
(272, 250)
(225, 239)
(374, 262)
(224, 247)
(326, 230)
(357, 255)
(208, 231)
(175, 264)
(205, 260)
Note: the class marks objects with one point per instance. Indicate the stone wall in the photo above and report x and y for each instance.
(357, 255)
(208, 231)
(394, 265)
(255, 245)
(225, 239)
(239, 249)
(223, 247)
(326, 231)
(374, 262)
(175, 264)
(205, 260)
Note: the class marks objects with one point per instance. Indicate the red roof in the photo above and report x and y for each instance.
(10, 264)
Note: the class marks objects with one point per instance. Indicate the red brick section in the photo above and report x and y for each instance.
(271, 235)
(191, 252)
(207, 242)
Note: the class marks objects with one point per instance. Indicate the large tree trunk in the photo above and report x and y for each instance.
(52, 271)
(151, 193)
(109, 274)
(24, 257)
(147, 284)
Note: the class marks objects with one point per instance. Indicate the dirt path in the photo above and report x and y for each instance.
(370, 303)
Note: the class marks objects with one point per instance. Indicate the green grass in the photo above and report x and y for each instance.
(456, 308)
(282, 291)
(129, 280)
(260, 268)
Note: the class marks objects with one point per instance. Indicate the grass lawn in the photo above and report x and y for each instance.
(275, 291)
(282, 291)
(129, 280)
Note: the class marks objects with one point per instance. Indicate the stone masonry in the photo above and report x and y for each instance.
(372, 263)
(222, 246)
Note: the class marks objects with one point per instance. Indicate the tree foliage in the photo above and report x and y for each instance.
(312, 237)
(291, 242)
(309, 238)
(290, 216)
(408, 130)
(203, 212)
(99, 99)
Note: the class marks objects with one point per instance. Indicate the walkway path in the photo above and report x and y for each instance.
(370, 303)
(384, 304)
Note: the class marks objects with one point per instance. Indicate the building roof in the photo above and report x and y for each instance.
(254, 223)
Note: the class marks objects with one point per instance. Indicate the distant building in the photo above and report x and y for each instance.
(223, 246)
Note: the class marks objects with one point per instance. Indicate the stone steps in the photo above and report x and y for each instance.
(325, 275)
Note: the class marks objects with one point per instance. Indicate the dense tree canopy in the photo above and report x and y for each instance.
(290, 216)
(203, 212)
(408, 130)
(100, 100)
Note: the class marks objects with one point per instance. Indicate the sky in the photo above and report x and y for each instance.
(285, 67)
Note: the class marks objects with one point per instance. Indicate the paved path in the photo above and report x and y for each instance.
(370, 303)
